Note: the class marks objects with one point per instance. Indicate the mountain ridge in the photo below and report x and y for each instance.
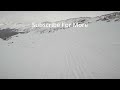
(26, 28)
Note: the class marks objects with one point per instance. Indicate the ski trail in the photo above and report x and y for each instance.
(76, 65)
(82, 63)
(77, 71)
(71, 58)
(81, 59)
(68, 66)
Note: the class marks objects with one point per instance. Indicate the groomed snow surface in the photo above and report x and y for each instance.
(73, 53)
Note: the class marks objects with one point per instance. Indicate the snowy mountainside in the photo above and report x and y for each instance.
(26, 28)
(68, 53)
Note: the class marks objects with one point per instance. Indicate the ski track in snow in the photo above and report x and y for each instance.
(73, 53)
(62, 56)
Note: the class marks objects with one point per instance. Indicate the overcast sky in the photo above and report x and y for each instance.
(41, 16)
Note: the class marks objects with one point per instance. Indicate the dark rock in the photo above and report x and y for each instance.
(6, 34)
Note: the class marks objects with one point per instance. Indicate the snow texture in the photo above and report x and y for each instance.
(66, 53)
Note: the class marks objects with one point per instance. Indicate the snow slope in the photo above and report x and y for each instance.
(71, 53)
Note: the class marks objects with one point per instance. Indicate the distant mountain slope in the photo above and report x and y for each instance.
(17, 28)
(109, 17)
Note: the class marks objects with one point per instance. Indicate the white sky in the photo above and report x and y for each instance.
(41, 16)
